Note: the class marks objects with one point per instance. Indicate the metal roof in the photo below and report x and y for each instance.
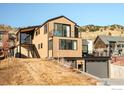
(107, 39)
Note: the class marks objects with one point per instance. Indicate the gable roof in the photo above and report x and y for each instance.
(58, 18)
(107, 39)
(38, 26)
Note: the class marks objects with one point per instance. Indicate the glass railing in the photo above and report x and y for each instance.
(26, 42)
(55, 33)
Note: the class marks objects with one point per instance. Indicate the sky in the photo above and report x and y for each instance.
(20, 15)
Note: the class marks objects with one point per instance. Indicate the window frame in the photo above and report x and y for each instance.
(63, 29)
(76, 32)
(41, 45)
(45, 29)
(67, 45)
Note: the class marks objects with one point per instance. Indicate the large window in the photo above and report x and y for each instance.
(65, 44)
(76, 32)
(62, 30)
(45, 29)
(26, 38)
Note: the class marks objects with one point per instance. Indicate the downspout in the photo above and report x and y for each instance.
(19, 44)
(48, 39)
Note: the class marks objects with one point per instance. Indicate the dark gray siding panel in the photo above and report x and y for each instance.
(97, 68)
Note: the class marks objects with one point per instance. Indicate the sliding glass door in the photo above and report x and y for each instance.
(62, 30)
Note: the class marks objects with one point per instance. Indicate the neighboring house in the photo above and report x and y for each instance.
(56, 38)
(87, 46)
(109, 45)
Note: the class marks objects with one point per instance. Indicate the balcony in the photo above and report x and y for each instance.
(26, 38)
(59, 33)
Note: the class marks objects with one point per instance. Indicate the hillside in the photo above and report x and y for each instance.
(40, 72)
(92, 31)
(7, 28)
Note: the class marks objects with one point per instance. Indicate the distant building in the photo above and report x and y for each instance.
(87, 46)
(109, 45)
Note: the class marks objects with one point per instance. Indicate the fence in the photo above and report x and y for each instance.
(117, 72)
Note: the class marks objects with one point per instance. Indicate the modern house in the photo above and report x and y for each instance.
(57, 38)
(109, 45)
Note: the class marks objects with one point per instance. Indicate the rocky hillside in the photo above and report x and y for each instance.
(92, 31)
(93, 28)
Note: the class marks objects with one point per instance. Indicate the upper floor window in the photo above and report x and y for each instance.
(25, 38)
(45, 29)
(63, 30)
(76, 32)
(37, 32)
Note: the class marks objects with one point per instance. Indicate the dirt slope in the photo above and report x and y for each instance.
(39, 72)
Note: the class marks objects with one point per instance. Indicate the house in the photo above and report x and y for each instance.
(57, 38)
(109, 45)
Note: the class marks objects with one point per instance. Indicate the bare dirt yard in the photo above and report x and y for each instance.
(40, 72)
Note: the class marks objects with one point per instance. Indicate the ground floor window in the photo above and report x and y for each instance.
(65, 44)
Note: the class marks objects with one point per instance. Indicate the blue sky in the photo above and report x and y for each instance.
(83, 14)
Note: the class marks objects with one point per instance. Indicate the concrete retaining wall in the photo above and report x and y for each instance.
(117, 72)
